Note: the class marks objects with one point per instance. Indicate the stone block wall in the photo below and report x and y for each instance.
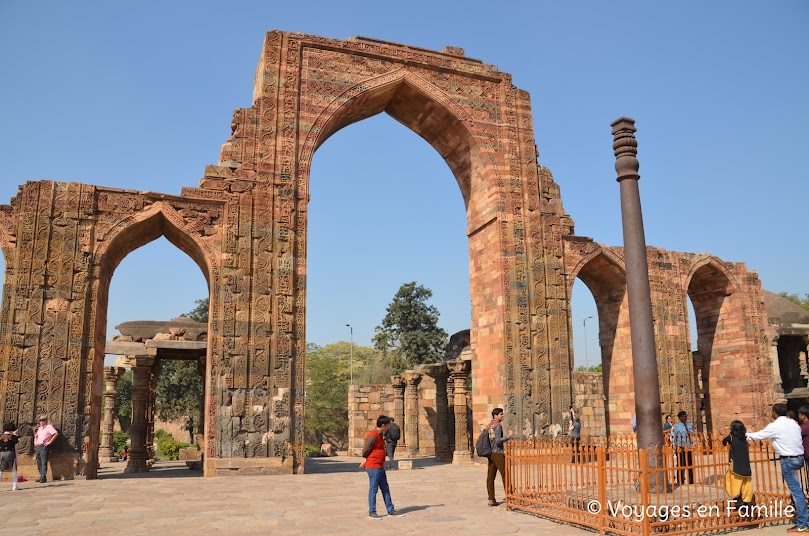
(365, 404)
(588, 401)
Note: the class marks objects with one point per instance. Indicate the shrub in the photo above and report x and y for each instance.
(309, 449)
(119, 440)
(169, 446)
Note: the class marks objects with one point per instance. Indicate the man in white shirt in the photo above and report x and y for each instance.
(786, 440)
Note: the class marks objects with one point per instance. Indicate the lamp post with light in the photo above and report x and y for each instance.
(586, 360)
(351, 355)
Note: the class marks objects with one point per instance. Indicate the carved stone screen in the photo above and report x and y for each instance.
(245, 226)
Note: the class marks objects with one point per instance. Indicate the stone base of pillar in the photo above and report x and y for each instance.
(462, 457)
(141, 469)
(108, 459)
(411, 453)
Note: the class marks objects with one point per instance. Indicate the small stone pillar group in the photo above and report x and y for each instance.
(450, 427)
(106, 452)
(141, 428)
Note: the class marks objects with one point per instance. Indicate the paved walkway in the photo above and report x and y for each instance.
(330, 499)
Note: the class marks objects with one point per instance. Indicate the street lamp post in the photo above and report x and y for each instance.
(586, 360)
(351, 355)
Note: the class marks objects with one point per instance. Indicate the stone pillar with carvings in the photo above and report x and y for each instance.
(411, 410)
(398, 385)
(141, 375)
(106, 452)
(459, 372)
(440, 373)
(150, 414)
(449, 387)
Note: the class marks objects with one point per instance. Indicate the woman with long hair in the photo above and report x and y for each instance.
(739, 477)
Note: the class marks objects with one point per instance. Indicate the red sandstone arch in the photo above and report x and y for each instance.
(427, 111)
(718, 307)
(158, 219)
(602, 272)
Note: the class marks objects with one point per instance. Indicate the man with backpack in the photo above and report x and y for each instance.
(392, 437)
(497, 457)
(373, 450)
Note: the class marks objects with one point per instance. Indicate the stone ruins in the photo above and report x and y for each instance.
(245, 227)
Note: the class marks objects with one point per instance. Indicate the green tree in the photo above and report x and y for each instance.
(796, 299)
(409, 334)
(123, 401)
(179, 385)
(200, 312)
(326, 394)
(179, 390)
(328, 374)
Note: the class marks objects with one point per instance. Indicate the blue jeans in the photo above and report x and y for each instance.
(379, 480)
(42, 460)
(789, 470)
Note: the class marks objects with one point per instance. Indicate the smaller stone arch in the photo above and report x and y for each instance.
(128, 234)
(602, 271)
(721, 360)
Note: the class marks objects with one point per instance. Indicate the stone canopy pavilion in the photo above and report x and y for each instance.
(245, 226)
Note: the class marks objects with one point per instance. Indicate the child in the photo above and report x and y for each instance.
(8, 453)
(738, 478)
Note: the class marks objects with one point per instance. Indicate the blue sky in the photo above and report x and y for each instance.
(139, 95)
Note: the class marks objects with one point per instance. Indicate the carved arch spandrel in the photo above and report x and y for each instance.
(386, 93)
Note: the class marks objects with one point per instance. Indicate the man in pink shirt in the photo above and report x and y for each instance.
(43, 437)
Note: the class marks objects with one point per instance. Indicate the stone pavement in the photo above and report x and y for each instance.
(330, 499)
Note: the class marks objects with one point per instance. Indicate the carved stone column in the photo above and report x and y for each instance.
(150, 414)
(411, 410)
(106, 452)
(399, 405)
(449, 387)
(440, 373)
(459, 372)
(141, 375)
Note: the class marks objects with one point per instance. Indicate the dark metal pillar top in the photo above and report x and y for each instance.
(626, 148)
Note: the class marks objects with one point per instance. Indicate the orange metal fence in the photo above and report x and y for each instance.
(611, 486)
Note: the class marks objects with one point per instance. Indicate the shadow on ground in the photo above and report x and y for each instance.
(161, 469)
(346, 464)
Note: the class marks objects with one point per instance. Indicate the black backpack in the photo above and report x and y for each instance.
(483, 446)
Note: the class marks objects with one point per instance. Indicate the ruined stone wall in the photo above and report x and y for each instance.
(365, 404)
(245, 225)
(731, 328)
(588, 401)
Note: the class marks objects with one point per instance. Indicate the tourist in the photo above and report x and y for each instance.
(392, 436)
(786, 440)
(44, 436)
(8, 453)
(681, 434)
(497, 459)
(739, 477)
(124, 454)
(374, 464)
(803, 421)
(574, 430)
(669, 423)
